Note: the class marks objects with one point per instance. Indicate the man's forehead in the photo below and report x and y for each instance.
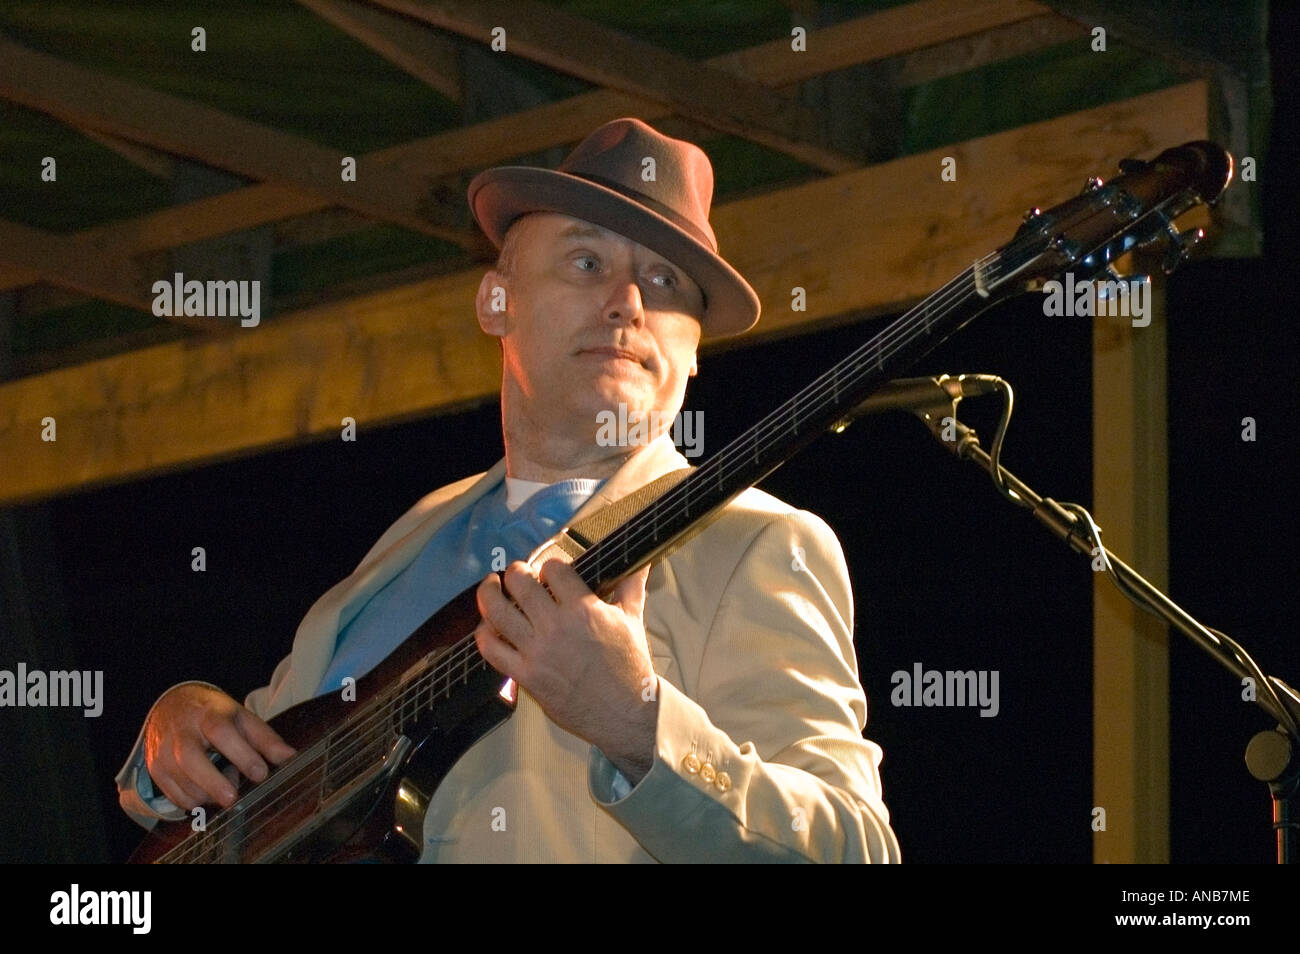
(569, 227)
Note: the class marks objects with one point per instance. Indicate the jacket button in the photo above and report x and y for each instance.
(691, 764)
(723, 781)
(708, 773)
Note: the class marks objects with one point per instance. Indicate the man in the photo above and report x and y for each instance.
(710, 710)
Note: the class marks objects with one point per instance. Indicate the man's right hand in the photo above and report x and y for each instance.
(186, 724)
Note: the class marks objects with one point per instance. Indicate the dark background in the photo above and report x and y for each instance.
(945, 572)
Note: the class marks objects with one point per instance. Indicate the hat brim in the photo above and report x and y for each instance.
(499, 196)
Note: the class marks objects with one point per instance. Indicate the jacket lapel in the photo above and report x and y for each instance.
(313, 646)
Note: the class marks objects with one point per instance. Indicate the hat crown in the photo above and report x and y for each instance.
(633, 180)
(672, 176)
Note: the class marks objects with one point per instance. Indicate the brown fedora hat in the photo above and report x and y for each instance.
(608, 181)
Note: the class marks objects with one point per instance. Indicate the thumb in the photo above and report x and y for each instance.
(629, 595)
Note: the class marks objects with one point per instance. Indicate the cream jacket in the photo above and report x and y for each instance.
(759, 748)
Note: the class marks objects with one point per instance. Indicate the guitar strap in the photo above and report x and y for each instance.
(575, 539)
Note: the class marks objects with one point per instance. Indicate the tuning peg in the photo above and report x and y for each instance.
(1092, 185)
(1032, 214)
(1180, 245)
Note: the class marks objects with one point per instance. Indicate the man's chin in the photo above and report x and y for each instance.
(622, 401)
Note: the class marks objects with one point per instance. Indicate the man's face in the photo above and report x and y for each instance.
(591, 320)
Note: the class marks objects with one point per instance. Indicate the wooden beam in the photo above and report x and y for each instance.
(428, 56)
(318, 227)
(1130, 493)
(93, 100)
(875, 36)
(73, 264)
(882, 238)
(991, 46)
(597, 54)
(15, 276)
(155, 163)
(867, 38)
(414, 350)
(94, 349)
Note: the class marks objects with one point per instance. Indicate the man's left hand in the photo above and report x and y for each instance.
(586, 661)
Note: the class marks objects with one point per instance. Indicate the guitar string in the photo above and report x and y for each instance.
(382, 708)
(318, 761)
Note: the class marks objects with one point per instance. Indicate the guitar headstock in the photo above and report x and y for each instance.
(1085, 235)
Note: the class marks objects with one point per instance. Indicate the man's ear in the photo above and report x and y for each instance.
(491, 303)
(695, 365)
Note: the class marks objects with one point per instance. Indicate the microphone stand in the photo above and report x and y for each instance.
(1273, 755)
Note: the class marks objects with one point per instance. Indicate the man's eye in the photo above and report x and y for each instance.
(664, 280)
(587, 263)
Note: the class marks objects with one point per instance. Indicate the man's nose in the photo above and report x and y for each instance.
(624, 304)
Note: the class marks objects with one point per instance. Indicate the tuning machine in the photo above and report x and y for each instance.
(1180, 245)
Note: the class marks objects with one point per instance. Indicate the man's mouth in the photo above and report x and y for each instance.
(613, 353)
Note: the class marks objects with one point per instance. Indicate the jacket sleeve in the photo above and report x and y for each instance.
(767, 762)
(135, 789)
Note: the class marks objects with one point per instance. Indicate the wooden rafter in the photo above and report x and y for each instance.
(991, 46)
(415, 349)
(92, 100)
(867, 38)
(428, 56)
(876, 36)
(73, 264)
(589, 51)
(151, 161)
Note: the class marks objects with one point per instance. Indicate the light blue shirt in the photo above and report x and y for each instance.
(481, 538)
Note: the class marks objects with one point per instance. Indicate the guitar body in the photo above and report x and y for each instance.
(373, 811)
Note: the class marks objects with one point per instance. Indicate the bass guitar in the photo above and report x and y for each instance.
(366, 769)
